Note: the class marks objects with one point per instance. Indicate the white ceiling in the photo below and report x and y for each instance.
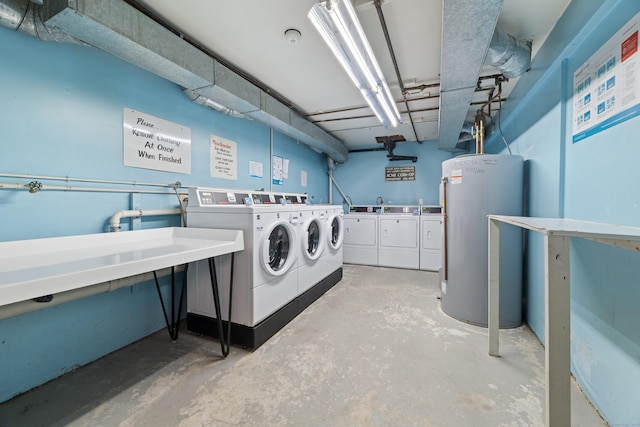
(249, 35)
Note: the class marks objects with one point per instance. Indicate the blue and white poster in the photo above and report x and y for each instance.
(278, 178)
(606, 88)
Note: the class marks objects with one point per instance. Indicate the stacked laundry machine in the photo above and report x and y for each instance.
(287, 263)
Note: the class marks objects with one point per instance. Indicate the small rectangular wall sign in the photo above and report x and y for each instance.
(400, 173)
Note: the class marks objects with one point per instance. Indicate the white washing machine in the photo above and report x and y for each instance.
(312, 245)
(360, 244)
(333, 256)
(265, 276)
(431, 228)
(399, 233)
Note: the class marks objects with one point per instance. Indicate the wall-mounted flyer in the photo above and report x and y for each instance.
(223, 161)
(277, 165)
(606, 88)
(150, 142)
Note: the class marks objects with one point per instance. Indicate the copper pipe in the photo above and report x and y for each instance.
(482, 136)
(476, 137)
(444, 231)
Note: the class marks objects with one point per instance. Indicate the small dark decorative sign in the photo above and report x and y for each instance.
(400, 173)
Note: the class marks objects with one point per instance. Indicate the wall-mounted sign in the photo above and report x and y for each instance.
(277, 165)
(255, 169)
(153, 143)
(223, 158)
(400, 173)
(606, 88)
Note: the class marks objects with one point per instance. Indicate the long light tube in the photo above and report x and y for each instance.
(337, 23)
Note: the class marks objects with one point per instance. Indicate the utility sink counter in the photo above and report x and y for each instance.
(35, 268)
(40, 269)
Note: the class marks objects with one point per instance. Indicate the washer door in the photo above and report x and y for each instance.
(278, 250)
(335, 229)
(313, 238)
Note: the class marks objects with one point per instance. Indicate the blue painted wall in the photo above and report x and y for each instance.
(61, 109)
(362, 178)
(594, 179)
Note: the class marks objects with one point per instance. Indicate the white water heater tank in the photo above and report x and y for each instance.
(474, 187)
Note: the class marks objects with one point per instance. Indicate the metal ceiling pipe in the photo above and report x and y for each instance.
(26, 16)
(203, 100)
(467, 30)
(13, 13)
(124, 31)
(511, 56)
(387, 38)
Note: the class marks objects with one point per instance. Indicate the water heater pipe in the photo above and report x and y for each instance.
(114, 222)
(444, 232)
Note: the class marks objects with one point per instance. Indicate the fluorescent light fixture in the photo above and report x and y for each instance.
(337, 23)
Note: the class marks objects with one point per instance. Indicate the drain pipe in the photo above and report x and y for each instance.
(332, 182)
(114, 222)
(331, 164)
(23, 307)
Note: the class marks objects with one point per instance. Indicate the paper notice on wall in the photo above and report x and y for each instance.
(285, 168)
(150, 142)
(255, 169)
(223, 162)
(277, 179)
(606, 88)
(303, 178)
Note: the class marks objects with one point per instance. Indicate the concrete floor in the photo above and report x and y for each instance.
(376, 350)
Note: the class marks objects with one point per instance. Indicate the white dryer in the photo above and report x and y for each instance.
(360, 244)
(399, 237)
(265, 273)
(431, 228)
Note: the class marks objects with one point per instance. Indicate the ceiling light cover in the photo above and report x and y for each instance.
(337, 23)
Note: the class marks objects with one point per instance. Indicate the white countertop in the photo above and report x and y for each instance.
(39, 267)
(573, 227)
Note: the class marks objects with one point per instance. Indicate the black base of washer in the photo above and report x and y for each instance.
(254, 337)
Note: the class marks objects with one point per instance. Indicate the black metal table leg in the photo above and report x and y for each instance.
(230, 302)
(173, 325)
(225, 341)
(216, 303)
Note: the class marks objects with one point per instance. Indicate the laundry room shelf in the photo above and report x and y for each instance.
(35, 268)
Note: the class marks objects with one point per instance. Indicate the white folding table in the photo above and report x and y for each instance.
(39, 269)
(557, 233)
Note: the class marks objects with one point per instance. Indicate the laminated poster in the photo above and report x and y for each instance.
(606, 88)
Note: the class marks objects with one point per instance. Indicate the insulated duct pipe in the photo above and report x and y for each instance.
(126, 32)
(26, 16)
(114, 222)
(23, 307)
(511, 56)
